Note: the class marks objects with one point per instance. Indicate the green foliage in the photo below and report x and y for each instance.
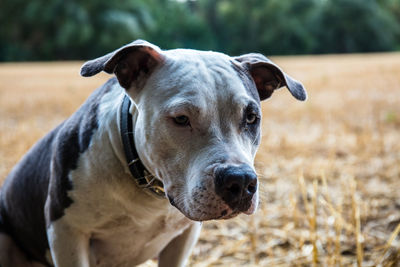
(58, 29)
(360, 26)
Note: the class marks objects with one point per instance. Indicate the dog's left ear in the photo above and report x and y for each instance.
(130, 63)
(268, 77)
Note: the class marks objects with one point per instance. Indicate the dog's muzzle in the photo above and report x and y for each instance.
(236, 185)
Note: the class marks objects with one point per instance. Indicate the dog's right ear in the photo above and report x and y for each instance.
(131, 63)
(268, 77)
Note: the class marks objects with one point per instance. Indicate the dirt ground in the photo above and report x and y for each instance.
(329, 168)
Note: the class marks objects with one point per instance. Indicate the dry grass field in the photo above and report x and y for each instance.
(329, 168)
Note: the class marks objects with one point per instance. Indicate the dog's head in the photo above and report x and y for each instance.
(198, 122)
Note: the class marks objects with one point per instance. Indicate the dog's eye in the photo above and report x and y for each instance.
(182, 120)
(251, 118)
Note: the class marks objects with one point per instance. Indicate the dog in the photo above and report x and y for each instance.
(166, 144)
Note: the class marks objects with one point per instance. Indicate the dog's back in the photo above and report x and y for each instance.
(26, 188)
(42, 174)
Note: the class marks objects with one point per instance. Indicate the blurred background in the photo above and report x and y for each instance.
(64, 30)
(329, 168)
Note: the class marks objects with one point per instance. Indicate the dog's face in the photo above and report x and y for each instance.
(198, 122)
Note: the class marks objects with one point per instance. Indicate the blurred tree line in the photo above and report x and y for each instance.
(73, 29)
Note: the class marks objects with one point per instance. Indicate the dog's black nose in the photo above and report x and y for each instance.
(236, 185)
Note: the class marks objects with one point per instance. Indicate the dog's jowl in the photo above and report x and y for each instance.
(167, 143)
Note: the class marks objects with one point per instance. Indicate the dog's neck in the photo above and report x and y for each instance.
(143, 178)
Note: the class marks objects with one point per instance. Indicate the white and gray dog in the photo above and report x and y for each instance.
(169, 143)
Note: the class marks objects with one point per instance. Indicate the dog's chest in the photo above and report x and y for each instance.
(122, 242)
(126, 225)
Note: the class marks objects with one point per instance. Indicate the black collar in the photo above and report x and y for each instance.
(140, 174)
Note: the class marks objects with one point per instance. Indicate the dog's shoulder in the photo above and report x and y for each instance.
(71, 141)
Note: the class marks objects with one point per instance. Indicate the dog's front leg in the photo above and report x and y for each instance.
(176, 253)
(69, 246)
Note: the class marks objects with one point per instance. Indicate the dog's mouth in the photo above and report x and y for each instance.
(211, 210)
(221, 193)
